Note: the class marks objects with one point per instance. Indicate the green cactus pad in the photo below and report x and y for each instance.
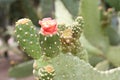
(77, 27)
(72, 68)
(113, 55)
(46, 73)
(21, 70)
(42, 70)
(74, 9)
(50, 45)
(92, 29)
(27, 37)
(69, 67)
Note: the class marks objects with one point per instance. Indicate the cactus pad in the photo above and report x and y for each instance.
(27, 37)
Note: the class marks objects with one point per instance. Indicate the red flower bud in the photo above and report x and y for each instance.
(48, 26)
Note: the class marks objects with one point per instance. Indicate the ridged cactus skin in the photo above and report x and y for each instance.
(27, 37)
(50, 45)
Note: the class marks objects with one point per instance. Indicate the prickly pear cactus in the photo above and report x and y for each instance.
(58, 52)
(45, 73)
(70, 39)
(79, 68)
(27, 37)
(50, 45)
(49, 38)
(93, 30)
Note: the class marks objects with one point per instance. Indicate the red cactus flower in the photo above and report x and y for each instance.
(48, 26)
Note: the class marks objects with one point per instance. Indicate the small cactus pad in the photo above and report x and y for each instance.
(45, 73)
(50, 45)
(77, 27)
(27, 37)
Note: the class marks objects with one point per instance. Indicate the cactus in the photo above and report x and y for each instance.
(103, 65)
(70, 67)
(74, 9)
(21, 70)
(45, 73)
(93, 30)
(47, 11)
(50, 45)
(49, 41)
(58, 52)
(27, 37)
(113, 55)
(70, 38)
(60, 9)
(108, 24)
